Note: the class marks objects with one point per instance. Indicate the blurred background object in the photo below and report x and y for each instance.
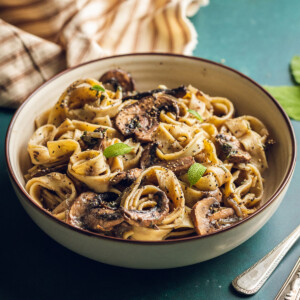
(38, 39)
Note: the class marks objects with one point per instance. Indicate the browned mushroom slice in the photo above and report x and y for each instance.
(141, 118)
(215, 193)
(142, 133)
(126, 178)
(92, 140)
(149, 157)
(118, 77)
(135, 119)
(119, 230)
(178, 166)
(150, 217)
(224, 213)
(95, 212)
(230, 148)
(178, 92)
(205, 212)
(103, 219)
(42, 170)
(167, 103)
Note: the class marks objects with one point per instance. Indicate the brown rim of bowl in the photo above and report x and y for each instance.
(21, 188)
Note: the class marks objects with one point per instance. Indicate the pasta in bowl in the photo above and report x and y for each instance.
(69, 191)
(149, 166)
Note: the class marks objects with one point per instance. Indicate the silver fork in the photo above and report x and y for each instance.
(250, 281)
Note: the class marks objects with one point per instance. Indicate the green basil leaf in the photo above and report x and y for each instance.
(98, 88)
(288, 97)
(195, 172)
(295, 67)
(116, 150)
(196, 114)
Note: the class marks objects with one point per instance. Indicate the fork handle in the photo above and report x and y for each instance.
(250, 281)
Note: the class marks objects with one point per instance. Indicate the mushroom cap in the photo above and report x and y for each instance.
(199, 215)
(125, 178)
(231, 148)
(103, 219)
(94, 212)
(118, 77)
(202, 217)
(149, 157)
(214, 193)
(166, 102)
(179, 166)
(141, 118)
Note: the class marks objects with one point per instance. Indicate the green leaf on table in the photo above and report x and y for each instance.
(116, 150)
(195, 172)
(196, 114)
(288, 97)
(295, 67)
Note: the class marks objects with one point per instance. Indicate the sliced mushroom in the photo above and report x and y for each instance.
(215, 193)
(97, 212)
(230, 148)
(119, 230)
(92, 140)
(135, 119)
(125, 178)
(150, 217)
(167, 103)
(199, 216)
(149, 157)
(222, 214)
(178, 166)
(41, 170)
(178, 92)
(141, 118)
(116, 78)
(206, 212)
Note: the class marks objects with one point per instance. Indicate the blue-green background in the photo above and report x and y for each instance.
(257, 37)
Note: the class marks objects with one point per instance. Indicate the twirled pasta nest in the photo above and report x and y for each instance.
(81, 175)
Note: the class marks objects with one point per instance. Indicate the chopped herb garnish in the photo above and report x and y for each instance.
(98, 88)
(195, 172)
(196, 114)
(116, 150)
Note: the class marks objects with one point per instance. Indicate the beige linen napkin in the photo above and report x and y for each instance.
(39, 38)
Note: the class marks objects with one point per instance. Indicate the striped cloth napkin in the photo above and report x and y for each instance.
(39, 38)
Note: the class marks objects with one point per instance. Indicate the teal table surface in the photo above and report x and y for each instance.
(257, 37)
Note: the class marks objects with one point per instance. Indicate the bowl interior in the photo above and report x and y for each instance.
(148, 72)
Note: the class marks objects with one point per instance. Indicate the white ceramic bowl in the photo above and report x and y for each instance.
(150, 70)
